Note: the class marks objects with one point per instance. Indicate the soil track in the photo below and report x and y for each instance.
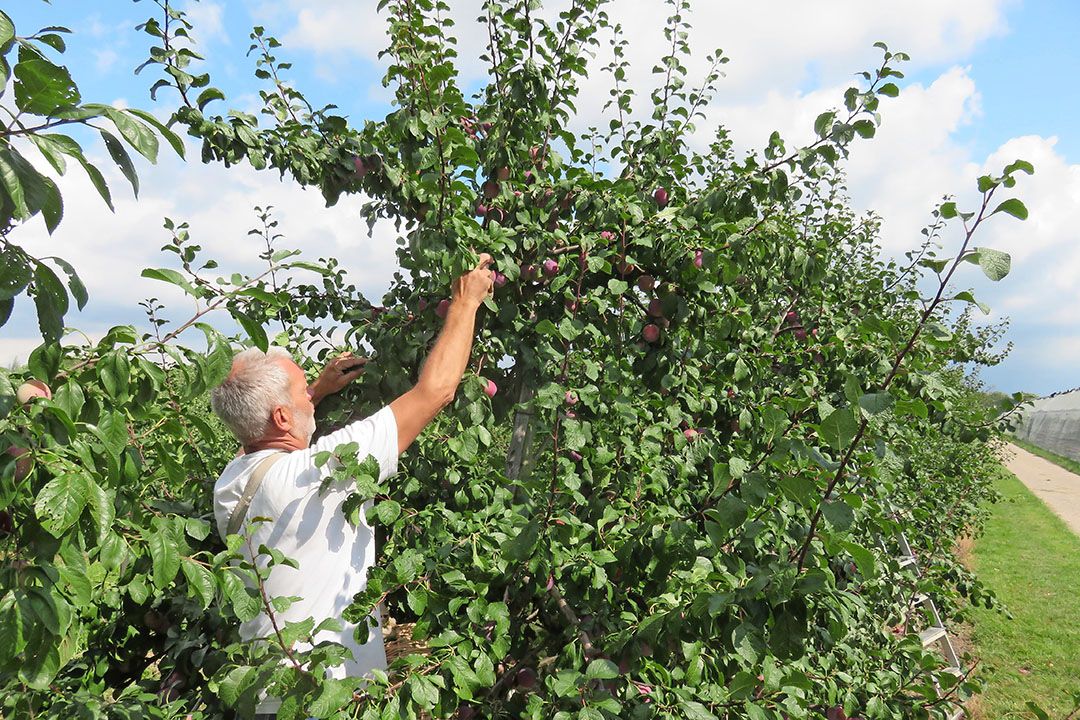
(1054, 485)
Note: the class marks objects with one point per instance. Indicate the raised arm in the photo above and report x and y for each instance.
(442, 371)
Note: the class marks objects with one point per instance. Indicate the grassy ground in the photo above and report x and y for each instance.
(1032, 560)
(1067, 463)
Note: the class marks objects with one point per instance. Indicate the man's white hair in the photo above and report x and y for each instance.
(255, 386)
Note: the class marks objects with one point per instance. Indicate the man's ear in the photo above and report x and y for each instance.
(281, 418)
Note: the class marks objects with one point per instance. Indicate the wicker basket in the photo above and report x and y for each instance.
(398, 641)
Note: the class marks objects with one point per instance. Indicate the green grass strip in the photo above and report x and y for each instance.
(1059, 460)
(1032, 561)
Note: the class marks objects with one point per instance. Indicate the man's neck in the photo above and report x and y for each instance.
(286, 443)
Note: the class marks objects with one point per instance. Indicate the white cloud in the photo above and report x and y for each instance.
(15, 350)
(768, 40)
(208, 17)
(338, 26)
(1061, 352)
(914, 160)
(105, 59)
(1046, 257)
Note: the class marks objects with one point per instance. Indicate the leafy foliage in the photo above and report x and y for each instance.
(45, 98)
(719, 406)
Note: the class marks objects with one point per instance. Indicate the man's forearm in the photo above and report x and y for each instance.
(447, 361)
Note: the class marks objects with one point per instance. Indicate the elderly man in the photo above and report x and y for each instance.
(268, 405)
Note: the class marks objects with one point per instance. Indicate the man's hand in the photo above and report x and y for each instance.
(338, 373)
(477, 284)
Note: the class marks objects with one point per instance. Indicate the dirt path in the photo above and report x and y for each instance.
(1055, 486)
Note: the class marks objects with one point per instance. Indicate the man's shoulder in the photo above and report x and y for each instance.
(235, 468)
(241, 467)
(374, 429)
(234, 478)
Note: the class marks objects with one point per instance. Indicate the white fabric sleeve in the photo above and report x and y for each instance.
(375, 435)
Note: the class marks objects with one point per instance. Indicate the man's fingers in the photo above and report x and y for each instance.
(350, 376)
(347, 364)
(485, 260)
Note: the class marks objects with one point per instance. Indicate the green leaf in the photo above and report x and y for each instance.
(824, 123)
(994, 263)
(617, 287)
(423, 691)
(741, 370)
(865, 128)
(196, 528)
(519, 547)
(42, 87)
(418, 599)
(233, 685)
(115, 373)
(172, 138)
(52, 209)
(1019, 166)
(56, 42)
(864, 559)
(730, 512)
(7, 30)
(243, 601)
(15, 272)
(839, 428)
(254, 329)
(695, 710)
(170, 276)
(136, 133)
(53, 149)
(51, 300)
(60, 503)
(75, 284)
(200, 581)
(122, 159)
(112, 431)
(935, 265)
(875, 403)
(333, 696)
(70, 398)
(602, 669)
(966, 296)
(41, 666)
(102, 509)
(839, 514)
(385, 512)
(165, 557)
(12, 641)
(889, 90)
(13, 187)
(209, 95)
(915, 407)
(1013, 207)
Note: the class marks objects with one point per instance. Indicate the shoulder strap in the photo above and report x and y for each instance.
(250, 489)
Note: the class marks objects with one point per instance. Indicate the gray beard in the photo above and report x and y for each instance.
(307, 429)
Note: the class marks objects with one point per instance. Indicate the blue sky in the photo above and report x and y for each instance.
(990, 80)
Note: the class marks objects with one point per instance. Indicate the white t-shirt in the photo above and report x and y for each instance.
(309, 527)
